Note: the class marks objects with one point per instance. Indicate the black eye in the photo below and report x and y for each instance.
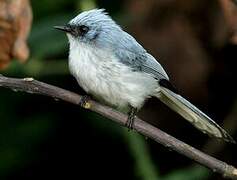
(83, 29)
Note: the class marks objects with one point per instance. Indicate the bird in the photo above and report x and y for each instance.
(112, 67)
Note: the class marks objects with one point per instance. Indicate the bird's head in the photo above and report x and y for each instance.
(93, 26)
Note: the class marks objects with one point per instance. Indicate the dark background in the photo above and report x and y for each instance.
(44, 138)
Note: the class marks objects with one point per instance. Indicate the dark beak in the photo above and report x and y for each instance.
(64, 28)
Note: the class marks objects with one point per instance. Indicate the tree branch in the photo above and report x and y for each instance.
(32, 86)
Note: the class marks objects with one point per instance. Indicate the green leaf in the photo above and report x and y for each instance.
(144, 167)
(191, 173)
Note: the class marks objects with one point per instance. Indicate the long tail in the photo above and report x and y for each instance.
(192, 114)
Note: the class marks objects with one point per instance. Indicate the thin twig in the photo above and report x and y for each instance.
(32, 86)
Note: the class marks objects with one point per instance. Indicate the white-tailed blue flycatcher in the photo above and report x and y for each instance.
(113, 67)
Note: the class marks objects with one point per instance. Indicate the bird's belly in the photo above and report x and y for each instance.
(111, 81)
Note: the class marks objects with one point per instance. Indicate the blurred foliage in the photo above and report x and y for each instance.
(145, 169)
(42, 138)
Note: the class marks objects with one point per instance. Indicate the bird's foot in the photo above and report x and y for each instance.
(84, 102)
(131, 116)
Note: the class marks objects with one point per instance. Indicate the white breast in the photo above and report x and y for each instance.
(101, 74)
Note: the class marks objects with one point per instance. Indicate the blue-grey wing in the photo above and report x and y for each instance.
(131, 53)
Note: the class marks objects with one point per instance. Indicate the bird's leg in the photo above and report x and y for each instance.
(84, 101)
(131, 116)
